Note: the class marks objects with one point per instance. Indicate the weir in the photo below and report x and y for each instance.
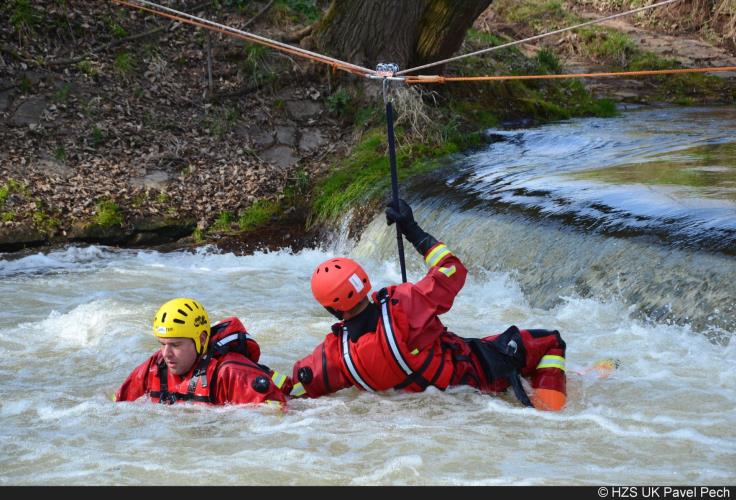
(663, 243)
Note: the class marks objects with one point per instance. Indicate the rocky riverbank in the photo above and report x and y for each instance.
(124, 129)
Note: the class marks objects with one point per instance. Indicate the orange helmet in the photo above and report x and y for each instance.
(339, 284)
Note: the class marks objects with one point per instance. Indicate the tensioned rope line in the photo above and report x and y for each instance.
(153, 8)
(444, 79)
(536, 37)
(183, 17)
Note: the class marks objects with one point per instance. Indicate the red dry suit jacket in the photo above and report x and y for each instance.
(227, 378)
(405, 351)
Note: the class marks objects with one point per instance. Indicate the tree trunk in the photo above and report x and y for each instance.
(405, 32)
(443, 28)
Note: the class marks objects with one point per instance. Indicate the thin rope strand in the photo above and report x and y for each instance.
(207, 24)
(536, 37)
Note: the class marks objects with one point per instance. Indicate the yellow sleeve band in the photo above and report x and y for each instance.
(436, 255)
(298, 390)
(278, 379)
(551, 361)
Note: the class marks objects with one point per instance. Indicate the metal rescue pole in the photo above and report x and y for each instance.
(386, 70)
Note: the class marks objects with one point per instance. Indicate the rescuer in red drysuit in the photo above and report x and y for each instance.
(214, 365)
(395, 339)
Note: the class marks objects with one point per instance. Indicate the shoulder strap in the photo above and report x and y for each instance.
(388, 330)
(168, 398)
(348, 360)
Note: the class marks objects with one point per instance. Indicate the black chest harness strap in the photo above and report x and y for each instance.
(167, 398)
(411, 376)
(348, 360)
(415, 377)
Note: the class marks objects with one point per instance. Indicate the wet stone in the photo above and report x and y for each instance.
(156, 179)
(311, 139)
(29, 112)
(302, 110)
(281, 156)
(5, 100)
(260, 138)
(286, 135)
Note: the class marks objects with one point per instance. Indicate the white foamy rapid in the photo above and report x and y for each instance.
(75, 322)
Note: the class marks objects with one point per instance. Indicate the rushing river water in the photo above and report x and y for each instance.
(656, 296)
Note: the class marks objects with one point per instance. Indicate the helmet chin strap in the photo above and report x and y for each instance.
(335, 312)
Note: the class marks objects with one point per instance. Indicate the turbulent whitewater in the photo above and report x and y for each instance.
(659, 298)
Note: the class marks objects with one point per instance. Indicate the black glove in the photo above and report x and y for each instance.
(404, 219)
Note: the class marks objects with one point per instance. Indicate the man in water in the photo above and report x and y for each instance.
(214, 365)
(395, 339)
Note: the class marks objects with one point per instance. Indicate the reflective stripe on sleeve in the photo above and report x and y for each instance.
(552, 361)
(298, 390)
(278, 379)
(438, 253)
(448, 271)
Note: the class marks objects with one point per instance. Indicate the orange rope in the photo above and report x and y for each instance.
(409, 79)
(350, 68)
(445, 79)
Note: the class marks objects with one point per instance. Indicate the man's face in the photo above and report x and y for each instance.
(179, 354)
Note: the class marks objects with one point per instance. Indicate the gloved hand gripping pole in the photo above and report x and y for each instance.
(388, 70)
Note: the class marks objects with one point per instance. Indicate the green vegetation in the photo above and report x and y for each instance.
(23, 17)
(62, 95)
(108, 214)
(364, 175)
(97, 137)
(299, 185)
(115, 28)
(256, 64)
(223, 222)
(239, 5)
(25, 84)
(139, 199)
(609, 47)
(258, 214)
(86, 67)
(60, 154)
(541, 15)
(43, 220)
(12, 186)
(295, 11)
(41, 216)
(163, 198)
(548, 62)
(339, 103)
(221, 121)
(367, 115)
(125, 63)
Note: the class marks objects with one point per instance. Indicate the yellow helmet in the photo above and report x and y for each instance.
(182, 318)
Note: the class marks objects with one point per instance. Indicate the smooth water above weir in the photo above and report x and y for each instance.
(75, 321)
(668, 175)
